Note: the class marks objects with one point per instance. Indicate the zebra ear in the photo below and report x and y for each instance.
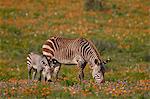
(96, 61)
(108, 60)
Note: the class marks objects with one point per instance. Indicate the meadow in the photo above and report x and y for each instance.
(120, 31)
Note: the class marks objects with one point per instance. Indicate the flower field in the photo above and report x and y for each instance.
(120, 31)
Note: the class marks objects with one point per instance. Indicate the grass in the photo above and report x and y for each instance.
(120, 31)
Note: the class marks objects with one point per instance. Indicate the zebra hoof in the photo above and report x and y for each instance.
(49, 80)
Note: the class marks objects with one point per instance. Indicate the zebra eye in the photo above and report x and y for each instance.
(54, 61)
(43, 62)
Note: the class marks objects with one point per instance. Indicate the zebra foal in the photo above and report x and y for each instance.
(39, 64)
(79, 51)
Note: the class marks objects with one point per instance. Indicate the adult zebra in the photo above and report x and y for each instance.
(78, 51)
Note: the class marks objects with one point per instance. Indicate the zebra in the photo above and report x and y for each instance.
(40, 64)
(78, 51)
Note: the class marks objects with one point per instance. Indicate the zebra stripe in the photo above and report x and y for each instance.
(48, 47)
(50, 43)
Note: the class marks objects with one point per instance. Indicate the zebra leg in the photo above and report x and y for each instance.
(34, 75)
(29, 74)
(48, 77)
(44, 75)
(40, 77)
(81, 73)
(56, 71)
(45, 79)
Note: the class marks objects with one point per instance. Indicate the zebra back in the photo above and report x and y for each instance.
(36, 61)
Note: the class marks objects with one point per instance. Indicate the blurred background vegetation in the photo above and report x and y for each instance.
(120, 29)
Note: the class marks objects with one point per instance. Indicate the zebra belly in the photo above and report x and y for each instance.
(66, 61)
(71, 61)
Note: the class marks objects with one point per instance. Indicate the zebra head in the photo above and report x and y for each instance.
(44, 62)
(99, 71)
(54, 63)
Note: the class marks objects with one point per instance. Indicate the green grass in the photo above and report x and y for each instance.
(120, 31)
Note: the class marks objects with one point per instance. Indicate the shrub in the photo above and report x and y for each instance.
(93, 4)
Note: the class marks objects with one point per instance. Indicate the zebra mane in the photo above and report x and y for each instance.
(95, 49)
